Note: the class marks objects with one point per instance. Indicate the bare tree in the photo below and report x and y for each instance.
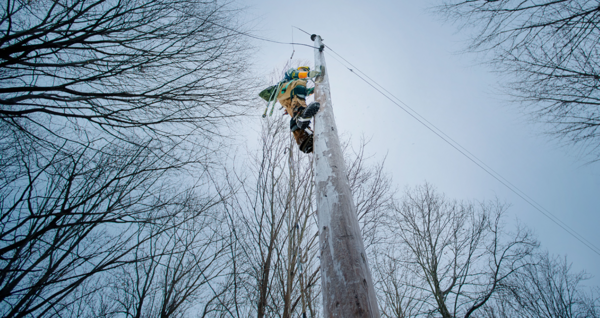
(551, 49)
(273, 219)
(546, 287)
(371, 190)
(275, 264)
(455, 256)
(118, 64)
(173, 267)
(109, 112)
(56, 222)
(395, 286)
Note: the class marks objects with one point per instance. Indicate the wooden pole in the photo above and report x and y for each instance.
(346, 281)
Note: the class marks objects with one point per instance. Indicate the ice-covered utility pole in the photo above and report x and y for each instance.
(346, 281)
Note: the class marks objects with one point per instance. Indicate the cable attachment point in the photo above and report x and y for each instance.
(313, 37)
(322, 48)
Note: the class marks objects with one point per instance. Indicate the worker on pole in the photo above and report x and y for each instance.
(291, 93)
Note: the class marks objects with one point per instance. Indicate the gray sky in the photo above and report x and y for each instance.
(413, 54)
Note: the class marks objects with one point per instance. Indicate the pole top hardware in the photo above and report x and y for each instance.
(322, 47)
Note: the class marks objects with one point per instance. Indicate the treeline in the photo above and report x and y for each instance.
(430, 256)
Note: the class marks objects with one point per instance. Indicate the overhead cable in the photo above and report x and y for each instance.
(258, 37)
(454, 144)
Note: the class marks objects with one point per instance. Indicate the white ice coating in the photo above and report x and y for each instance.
(346, 280)
(324, 173)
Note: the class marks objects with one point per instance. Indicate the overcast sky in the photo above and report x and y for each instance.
(416, 56)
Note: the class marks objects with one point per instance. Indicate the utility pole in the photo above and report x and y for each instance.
(346, 281)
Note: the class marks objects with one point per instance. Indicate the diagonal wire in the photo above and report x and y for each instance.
(457, 146)
(258, 37)
(301, 30)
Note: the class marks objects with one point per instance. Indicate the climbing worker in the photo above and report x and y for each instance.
(291, 93)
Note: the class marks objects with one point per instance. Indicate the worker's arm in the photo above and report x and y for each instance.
(295, 74)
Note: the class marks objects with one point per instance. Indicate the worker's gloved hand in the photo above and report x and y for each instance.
(313, 74)
(319, 75)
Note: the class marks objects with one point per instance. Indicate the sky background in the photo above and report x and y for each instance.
(419, 58)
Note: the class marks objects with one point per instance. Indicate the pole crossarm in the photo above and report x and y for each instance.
(346, 281)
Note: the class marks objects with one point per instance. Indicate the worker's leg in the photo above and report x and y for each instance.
(303, 139)
(288, 105)
(303, 118)
(296, 108)
(298, 105)
(303, 113)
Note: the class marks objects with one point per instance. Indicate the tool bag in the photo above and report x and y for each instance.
(268, 93)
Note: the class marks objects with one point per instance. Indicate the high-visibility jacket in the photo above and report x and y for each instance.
(292, 95)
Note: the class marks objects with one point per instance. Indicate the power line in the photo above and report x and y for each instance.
(301, 30)
(457, 146)
(258, 37)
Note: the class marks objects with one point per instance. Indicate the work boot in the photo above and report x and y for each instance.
(293, 125)
(307, 145)
(304, 140)
(303, 119)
